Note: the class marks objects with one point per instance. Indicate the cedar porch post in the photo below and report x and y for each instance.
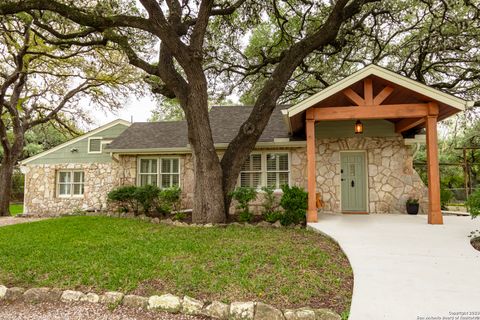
(311, 170)
(434, 209)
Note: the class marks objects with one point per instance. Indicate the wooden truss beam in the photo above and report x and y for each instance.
(391, 111)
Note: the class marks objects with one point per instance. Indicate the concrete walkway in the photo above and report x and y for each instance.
(6, 221)
(406, 269)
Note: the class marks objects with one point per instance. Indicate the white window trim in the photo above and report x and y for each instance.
(159, 174)
(101, 145)
(71, 195)
(264, 171)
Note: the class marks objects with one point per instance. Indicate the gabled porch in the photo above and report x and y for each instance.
(373, 93)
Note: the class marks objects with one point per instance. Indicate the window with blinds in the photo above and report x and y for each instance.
(265, 169)
(161, 172)
(277, 169)
(170, 173)
(251, 173)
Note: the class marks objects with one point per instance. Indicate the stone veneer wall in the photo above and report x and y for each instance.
(391, 176)
(100, 178)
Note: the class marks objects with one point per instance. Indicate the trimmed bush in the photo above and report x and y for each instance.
(150, 200)
(147, 196)
(294, 202)
(269, 203)
(125, 197)
(446, 196)
(273, 216)
(473, 204)
(243, 196)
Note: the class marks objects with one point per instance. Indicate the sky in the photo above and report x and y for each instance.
(138, 109)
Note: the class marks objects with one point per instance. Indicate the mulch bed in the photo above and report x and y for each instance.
(476, 243)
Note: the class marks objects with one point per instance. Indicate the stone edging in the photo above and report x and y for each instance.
(142, 217)
(170, 303)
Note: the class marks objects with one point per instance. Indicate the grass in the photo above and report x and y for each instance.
(284, 267)
(16, 208)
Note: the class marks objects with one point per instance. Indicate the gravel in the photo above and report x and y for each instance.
(81, 311)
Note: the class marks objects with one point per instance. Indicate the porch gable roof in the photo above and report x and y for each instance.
(389, 76)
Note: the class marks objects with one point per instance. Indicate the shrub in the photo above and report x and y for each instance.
(269, 203)
(273, 216)
(473, 204)
(446, 196)
(147, 196)
(125, 197)
(294, 202)
(171, 196)
(179, 215)
(243, 196)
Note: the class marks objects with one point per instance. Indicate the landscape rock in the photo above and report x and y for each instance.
(90, 298)
(192, 306)
(242, 310)
(267, 312)
(277, 224)
(166, 221)
(36, 295)
(72, 296)
(326, 314)
(264, 224)
(166, 302)
(3, 292)
(134, 301)
(299, 314)
(156, 220)
(13, 294)
(112, 298)
(53, 295)
(217, 310)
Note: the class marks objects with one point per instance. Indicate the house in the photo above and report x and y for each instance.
(350, 144)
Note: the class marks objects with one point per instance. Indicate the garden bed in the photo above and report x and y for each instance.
(476, 243)
(287, 268)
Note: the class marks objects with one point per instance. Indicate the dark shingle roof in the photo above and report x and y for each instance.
(225, 122)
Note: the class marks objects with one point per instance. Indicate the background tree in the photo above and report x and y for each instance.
(43, 82)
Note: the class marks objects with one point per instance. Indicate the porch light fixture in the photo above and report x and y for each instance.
(358, 127)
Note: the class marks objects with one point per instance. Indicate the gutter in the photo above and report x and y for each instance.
(218, 146)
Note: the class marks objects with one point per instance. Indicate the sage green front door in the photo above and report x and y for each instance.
(353, 179)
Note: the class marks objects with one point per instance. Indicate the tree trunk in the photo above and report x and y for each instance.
(6, 173)
(208, 205)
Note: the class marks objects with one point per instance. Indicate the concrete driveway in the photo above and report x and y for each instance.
(406, 269)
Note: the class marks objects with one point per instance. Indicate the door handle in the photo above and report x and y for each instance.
(353, 183)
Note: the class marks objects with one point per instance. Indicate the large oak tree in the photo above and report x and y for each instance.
(188, 32)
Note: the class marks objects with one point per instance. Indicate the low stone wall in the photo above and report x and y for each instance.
(169, 303)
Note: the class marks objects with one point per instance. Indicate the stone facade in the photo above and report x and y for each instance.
(391, 176)
(41, 189)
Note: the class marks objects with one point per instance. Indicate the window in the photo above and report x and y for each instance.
(277, 169)
(169, 174)
(251, 172)
(265, 169)
(70, 183)
(148, 171)
(94, 145)
(162, 172)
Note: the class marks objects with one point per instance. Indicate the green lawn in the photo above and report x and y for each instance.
(16, 209)
(284, 267)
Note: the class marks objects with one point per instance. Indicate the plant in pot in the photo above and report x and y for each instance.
(412, 206)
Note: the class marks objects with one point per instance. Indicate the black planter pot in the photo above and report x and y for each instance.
(412, 208)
